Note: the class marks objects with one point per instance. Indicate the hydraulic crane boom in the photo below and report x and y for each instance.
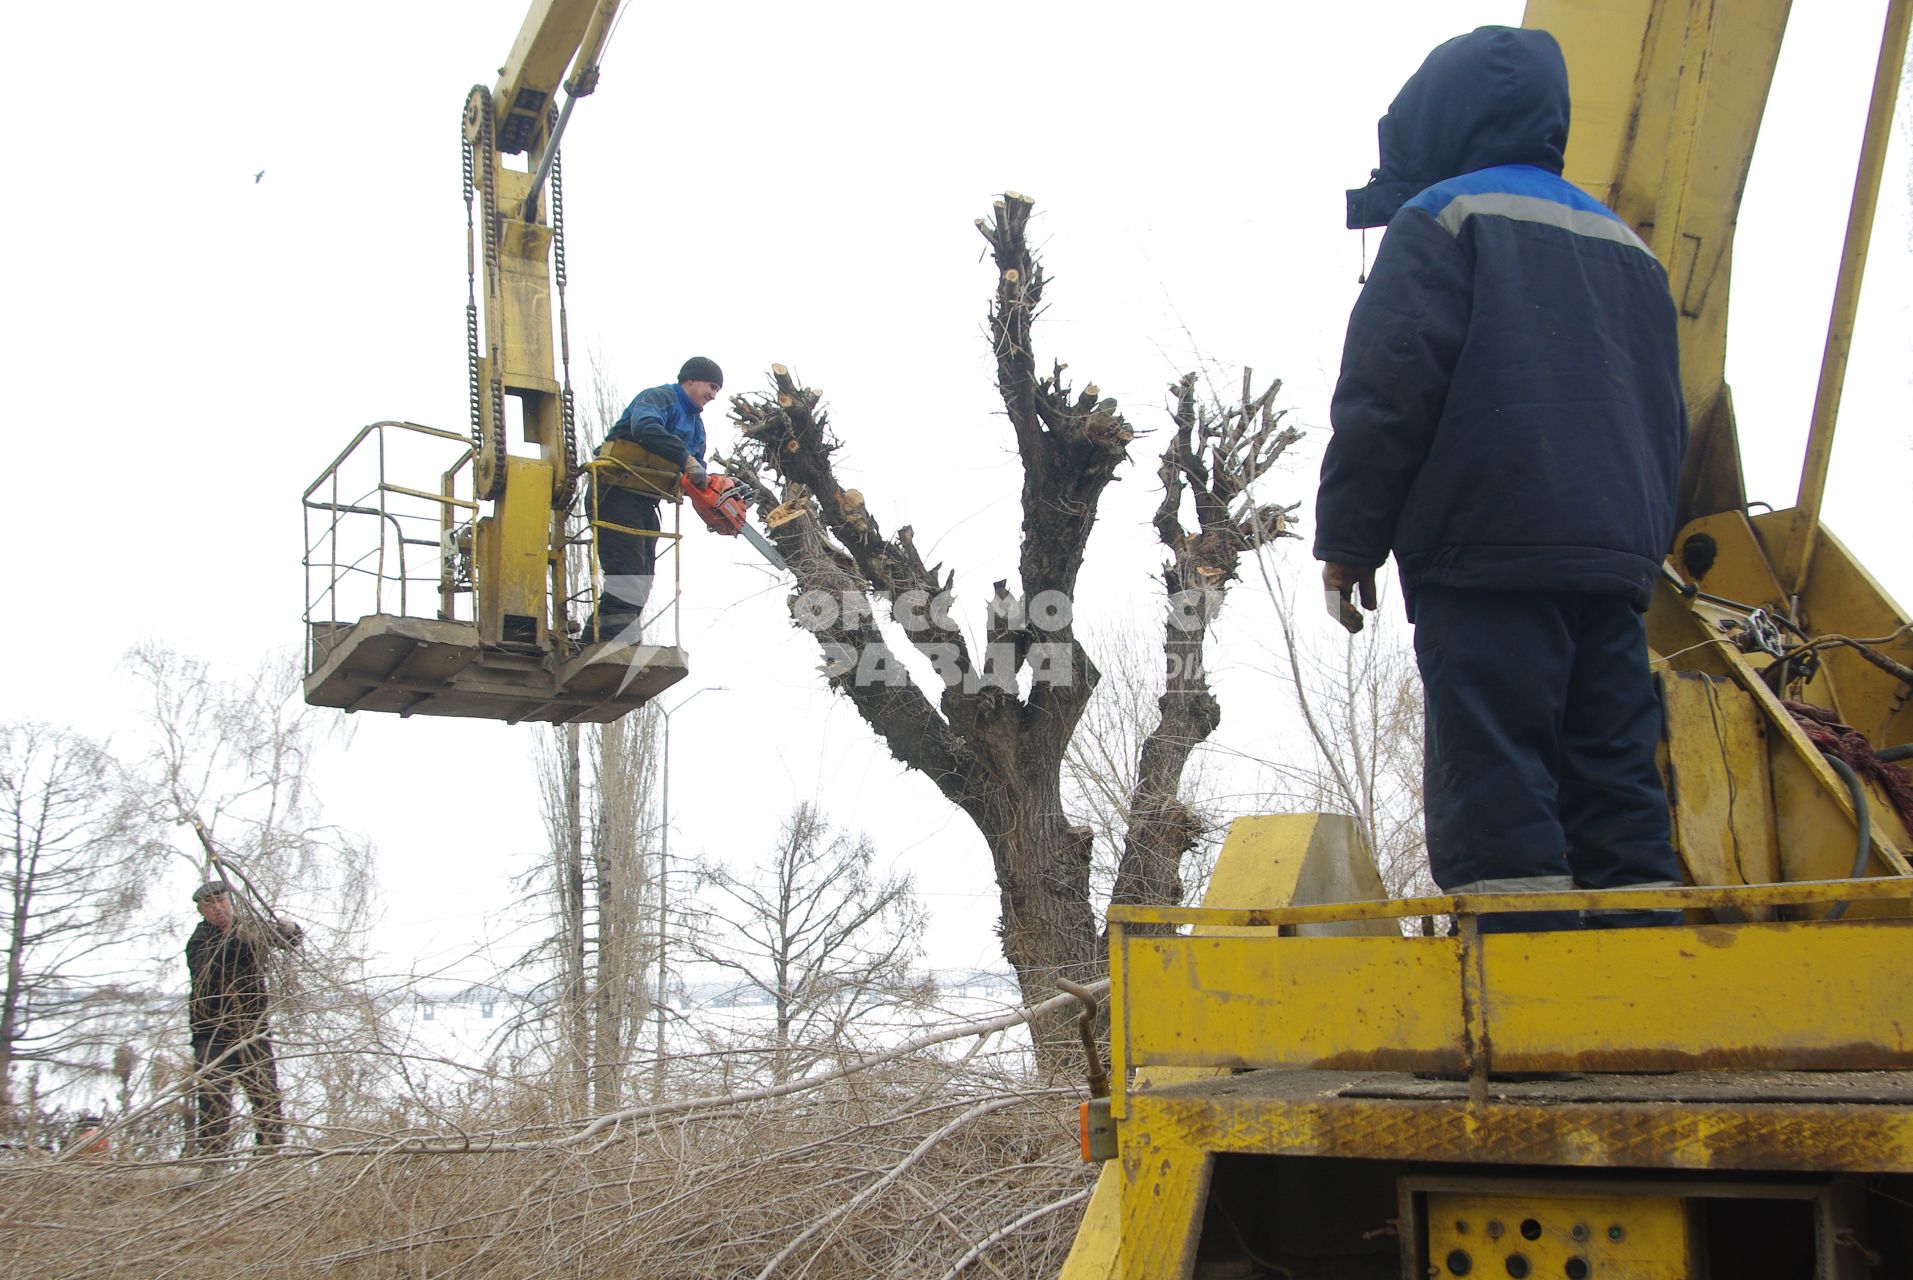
(510, 247)
(1668, 99)
(558, 35)
(510, 652)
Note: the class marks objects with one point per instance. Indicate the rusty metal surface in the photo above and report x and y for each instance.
(1858, 1124)
(1846, 1088)
(420, 666)
(1763, 895)
(1783, 995)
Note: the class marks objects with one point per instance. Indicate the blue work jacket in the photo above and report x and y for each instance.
(664, 421)
(1509, 412)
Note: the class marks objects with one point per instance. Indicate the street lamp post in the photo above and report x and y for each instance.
(664, 882)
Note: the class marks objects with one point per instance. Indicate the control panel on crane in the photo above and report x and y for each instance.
(447, 575)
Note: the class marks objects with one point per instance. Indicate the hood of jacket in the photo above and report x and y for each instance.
(1498, 95)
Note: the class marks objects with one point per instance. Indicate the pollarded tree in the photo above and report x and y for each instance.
(1099, 769)
(73, 875)
(992, 738)
(1214, 454)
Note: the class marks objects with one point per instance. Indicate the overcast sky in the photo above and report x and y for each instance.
(756, 182)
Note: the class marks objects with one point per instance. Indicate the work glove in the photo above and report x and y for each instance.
(695, 473)
(1339, 582)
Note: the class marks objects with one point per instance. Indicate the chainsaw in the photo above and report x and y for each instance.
(723, 503)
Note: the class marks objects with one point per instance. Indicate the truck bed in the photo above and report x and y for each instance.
(1798, 1121)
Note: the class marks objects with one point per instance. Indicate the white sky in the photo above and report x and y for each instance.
(756, 182)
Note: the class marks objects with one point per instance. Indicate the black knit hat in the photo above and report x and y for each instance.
(701, 369)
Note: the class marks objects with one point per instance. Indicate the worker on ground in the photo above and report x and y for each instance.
(667, 421)
(1509, 424)
(89, 1141)
(226, 960)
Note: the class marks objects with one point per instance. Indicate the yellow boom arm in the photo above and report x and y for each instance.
(510, 251)
(558, 35)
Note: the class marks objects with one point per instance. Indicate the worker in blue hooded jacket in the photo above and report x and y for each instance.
(668, 421)
(1509, 425)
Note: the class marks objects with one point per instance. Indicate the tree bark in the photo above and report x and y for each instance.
(609, 989)
(575, 1006)
(990, 749)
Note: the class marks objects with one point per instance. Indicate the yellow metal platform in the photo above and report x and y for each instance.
(423, 666)
(1797, 1122)
(1264, 1066)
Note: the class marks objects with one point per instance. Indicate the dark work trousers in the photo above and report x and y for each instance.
(248, 1065)
(628, 561)
(1542, 722)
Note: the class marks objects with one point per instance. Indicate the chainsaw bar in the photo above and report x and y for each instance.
(723, 503)
(763, 544)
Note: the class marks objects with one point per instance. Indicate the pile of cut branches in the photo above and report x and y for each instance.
(911, 1163)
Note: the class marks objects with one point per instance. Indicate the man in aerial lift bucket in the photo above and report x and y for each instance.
(667, 421)
(1509, 424)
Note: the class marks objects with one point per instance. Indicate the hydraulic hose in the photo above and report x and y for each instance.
(1861, 819)
(1902, 752)
(1086, 1025)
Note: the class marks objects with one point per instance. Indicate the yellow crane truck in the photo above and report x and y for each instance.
(1309, 1086)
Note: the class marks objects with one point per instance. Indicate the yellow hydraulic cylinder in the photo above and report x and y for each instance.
(512, 558)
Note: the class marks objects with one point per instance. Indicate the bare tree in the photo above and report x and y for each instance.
(599, 790)
(993, 737)
(73, 875)
(1129, 764)
(231, 761)
(599, 796)
(813, 931)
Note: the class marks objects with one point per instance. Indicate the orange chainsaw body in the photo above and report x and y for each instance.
(720, 503)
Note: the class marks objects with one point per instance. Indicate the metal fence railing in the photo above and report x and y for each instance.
(376, 542)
